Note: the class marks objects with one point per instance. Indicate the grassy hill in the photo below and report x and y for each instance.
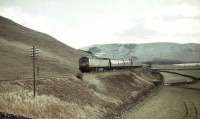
(59, 93)
(16, 42)
(150, 52)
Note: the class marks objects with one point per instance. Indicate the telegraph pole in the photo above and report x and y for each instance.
(34, 87)
(34, 54)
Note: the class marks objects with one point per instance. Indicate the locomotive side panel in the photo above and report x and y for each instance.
(99, 63)
(120, 63)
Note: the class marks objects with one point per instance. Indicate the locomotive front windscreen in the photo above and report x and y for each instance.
(84, 61)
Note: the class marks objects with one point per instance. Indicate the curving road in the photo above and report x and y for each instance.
(171, 102)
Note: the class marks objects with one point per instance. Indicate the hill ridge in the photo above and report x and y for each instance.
(150, 52)
(16, 40)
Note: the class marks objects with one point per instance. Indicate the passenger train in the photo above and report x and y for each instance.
(87, 64)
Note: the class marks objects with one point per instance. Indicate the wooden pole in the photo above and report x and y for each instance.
(34, 73)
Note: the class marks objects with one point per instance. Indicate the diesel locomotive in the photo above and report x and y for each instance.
(87, 64)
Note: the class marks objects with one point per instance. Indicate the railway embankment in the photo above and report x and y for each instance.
(97, 95)
(135, 100)
(123, 88)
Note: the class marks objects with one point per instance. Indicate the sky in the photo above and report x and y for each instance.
(81, 23)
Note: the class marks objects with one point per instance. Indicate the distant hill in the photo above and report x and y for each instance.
(160, 53)
(15, 43)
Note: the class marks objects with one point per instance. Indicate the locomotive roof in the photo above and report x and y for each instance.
(95, 57)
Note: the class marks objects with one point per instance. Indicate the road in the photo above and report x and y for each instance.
(171, 102)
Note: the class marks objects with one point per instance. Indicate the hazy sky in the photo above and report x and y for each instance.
(80, 23)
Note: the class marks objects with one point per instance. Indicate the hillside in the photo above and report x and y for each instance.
(96, 96)
(59, 93)
(150, 52)
(16, 42)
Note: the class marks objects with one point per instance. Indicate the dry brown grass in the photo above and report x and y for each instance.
(58, 97)
(90, 98)
(46, 107)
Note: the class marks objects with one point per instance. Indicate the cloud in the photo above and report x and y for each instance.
(139, 30)
(40, 23)
(18, 15)
(177, 23)
(122, 21)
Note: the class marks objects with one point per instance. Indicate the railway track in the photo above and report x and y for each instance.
(189, 76)
(164, 69)
(191, 111)
(194, 79)
(188, 88)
